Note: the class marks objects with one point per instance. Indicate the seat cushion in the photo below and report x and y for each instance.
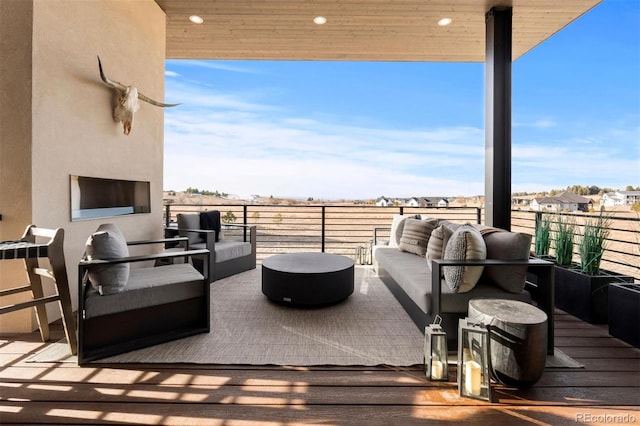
(148, 287)
(466, 243)
(227, 249)
(108, 243)
(412, 275)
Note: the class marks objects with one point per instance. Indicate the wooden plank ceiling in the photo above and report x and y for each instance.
(362, 30)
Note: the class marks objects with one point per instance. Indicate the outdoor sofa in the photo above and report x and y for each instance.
(483, 262)
(128, 302)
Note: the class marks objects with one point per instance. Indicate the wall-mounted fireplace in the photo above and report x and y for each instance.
(93, 197)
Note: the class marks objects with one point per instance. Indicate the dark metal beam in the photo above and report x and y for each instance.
(498, 118)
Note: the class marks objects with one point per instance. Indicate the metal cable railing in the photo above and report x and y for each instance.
(342, 229)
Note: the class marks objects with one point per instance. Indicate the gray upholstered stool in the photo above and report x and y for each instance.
(518, 339)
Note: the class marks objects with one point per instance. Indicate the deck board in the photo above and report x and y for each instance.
(182, 394)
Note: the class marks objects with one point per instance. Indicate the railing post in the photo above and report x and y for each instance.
(167, 215)
(478, 215)
(323, 224)
(245, 222)
(401, 210)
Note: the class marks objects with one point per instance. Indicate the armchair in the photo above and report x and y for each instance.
(123, 307)
(227, 255)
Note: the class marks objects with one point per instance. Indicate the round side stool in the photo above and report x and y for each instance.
(518, 333)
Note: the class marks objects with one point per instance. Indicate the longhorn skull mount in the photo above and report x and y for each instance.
(127, 103)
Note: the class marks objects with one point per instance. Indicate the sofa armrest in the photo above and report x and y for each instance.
(166, 240)
(86, 264)
(543, 269)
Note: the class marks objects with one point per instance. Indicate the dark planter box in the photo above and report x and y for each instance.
(585, 296)
(624, 309)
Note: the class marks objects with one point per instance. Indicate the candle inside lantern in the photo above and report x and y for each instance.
(437, 369)
(472, 377)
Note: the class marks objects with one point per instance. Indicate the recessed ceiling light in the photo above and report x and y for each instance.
(319, 20)
(196, 19)
(444, 22)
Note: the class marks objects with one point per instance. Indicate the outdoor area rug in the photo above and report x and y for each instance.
(369, 328)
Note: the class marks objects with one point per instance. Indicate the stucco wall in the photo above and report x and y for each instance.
(72, 131)
(15, 146)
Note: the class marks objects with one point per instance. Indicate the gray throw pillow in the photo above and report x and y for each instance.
(189, 221)
(466, 243)
(508, 246)
(108, 243)
(439, 238)
(415, 235)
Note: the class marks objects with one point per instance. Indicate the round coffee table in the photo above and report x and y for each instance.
(307, 279)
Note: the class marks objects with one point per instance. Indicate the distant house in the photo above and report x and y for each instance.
(413, 202)
(522, 200)
(565, 201)
(434, 202)
(620, 198)
(383, 202)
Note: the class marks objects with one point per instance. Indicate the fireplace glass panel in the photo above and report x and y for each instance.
(93, 198)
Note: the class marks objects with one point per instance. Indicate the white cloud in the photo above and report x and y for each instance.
(243, 143)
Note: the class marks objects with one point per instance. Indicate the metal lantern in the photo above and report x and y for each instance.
(435, 351)
(474, 360)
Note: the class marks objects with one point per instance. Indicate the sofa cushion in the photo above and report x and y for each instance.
(189, 221)
(438, 240)
(415, 235)
(148, 287)
(506, 245)
(466, 243)
(108, 243)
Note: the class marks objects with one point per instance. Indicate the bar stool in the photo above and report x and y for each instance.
(40, 243)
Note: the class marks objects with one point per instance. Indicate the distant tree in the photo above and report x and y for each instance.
(310, 199)
(629, 188)
(229, 217)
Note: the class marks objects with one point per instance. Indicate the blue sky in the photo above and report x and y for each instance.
(359, 130)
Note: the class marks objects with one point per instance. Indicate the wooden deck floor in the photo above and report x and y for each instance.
(606, 391)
